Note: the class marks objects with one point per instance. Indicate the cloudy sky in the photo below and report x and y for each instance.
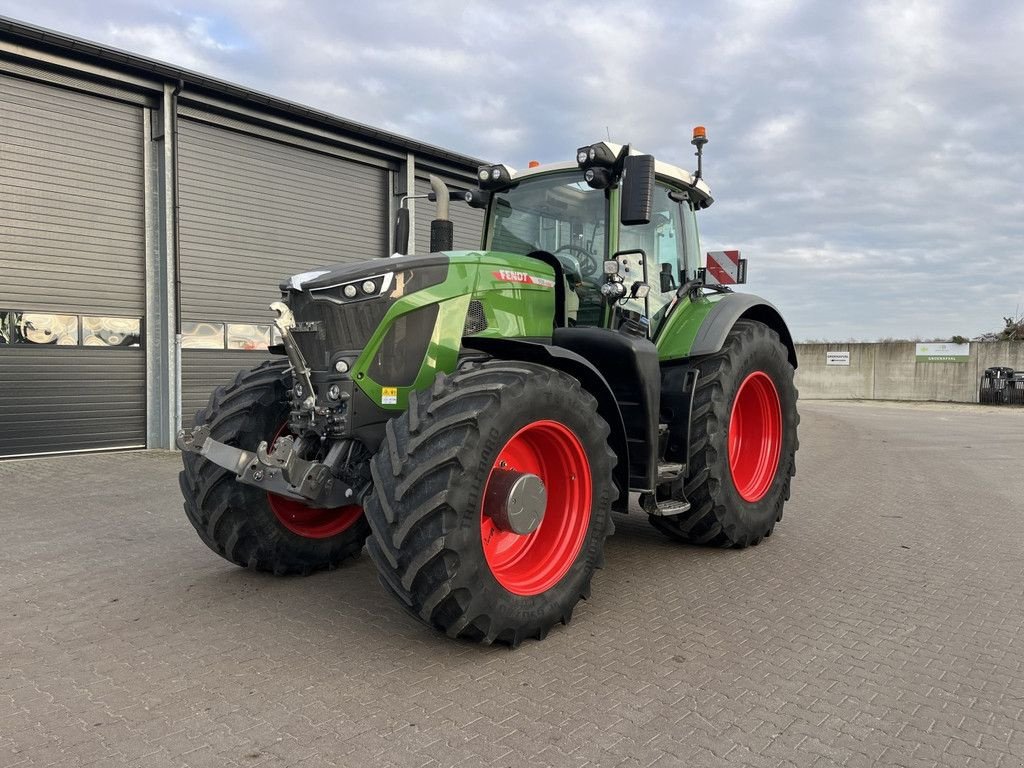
(867, 158)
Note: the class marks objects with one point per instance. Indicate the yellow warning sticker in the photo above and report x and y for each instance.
(389, 396)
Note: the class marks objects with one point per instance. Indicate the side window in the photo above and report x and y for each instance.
(691, 241)
(662, 241)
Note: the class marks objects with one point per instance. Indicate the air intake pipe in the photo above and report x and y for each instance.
(442, 233)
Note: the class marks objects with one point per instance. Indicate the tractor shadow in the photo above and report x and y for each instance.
(347, 609)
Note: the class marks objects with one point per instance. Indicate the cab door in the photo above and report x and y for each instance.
(669, 256)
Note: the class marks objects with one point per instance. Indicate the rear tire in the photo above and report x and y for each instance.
(737, 496)
(435, 548)
(240, 522)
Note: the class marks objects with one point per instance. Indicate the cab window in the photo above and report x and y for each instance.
(561, 214)
(662, 241)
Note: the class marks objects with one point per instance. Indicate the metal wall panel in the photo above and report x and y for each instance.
(254, 211)
(467, 222)
(71, 201)
(72, 241)
(71, 398)
(203, 370)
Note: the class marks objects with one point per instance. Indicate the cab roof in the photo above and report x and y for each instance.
(661, 169)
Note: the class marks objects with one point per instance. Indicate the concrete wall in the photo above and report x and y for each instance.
(889, 371)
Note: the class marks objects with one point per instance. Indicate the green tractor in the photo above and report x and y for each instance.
(474, 417)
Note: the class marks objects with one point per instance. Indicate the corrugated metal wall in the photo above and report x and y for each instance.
(208, 369)
(71, 242)
(254, 211)
(69, 399)
(467, 222)
(71, 201)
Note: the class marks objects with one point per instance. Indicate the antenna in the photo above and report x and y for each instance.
(608, 133)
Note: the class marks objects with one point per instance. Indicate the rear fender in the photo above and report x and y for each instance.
(590, 379)
(719, 321)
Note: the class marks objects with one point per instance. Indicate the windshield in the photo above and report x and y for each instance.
(560, 214)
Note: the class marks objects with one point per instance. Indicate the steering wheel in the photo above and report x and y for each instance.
(588, 260)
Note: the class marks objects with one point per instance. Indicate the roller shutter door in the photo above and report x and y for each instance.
(252, 212)
(467, 222)
(72, 260)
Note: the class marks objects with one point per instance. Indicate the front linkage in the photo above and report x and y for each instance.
(281, 470)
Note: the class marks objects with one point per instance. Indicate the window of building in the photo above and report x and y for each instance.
(111, 331)
(202, 335)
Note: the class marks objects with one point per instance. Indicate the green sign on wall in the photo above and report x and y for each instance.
(943, 353)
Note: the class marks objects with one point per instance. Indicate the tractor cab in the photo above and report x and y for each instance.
(621, 226)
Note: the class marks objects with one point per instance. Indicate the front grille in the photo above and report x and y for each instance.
(323, 328)
(476, 321)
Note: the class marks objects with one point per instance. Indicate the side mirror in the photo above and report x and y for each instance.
(402, 231)
(668, 282)
(637, 189)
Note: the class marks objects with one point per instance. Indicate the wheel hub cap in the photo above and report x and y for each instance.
(515, 501)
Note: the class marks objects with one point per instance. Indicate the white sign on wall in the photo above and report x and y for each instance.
(943, 353)
(837, 358)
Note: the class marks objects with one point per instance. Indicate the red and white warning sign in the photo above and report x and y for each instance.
(726, 268)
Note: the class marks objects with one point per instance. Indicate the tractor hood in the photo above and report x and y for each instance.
(340, 307)
(339, 275)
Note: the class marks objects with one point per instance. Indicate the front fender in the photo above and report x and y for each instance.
(590, 379)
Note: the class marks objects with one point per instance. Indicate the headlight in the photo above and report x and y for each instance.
(494, 176)
(613, 291)
(602, 155)
(359, 289)
(597, 178)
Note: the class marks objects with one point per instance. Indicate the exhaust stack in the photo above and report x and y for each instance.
(442, 232)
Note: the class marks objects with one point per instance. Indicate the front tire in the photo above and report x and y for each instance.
(435, 543)
(743, 442)
(243, 524)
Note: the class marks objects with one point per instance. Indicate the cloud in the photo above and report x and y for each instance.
(864, 156)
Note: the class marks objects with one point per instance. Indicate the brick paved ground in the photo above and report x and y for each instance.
(879, 626)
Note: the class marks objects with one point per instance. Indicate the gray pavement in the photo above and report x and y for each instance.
(880, 625)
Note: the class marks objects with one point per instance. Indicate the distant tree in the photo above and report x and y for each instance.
(1013, 329)
(958, 339)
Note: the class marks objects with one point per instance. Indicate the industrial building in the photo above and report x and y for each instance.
(147, 215)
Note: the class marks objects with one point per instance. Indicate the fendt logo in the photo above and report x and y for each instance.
(511, 276)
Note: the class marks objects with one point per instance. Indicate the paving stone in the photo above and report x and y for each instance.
(879, 625)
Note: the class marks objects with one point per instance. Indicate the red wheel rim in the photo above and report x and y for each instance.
(755, 436)
(533, 563)
(311, 522)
